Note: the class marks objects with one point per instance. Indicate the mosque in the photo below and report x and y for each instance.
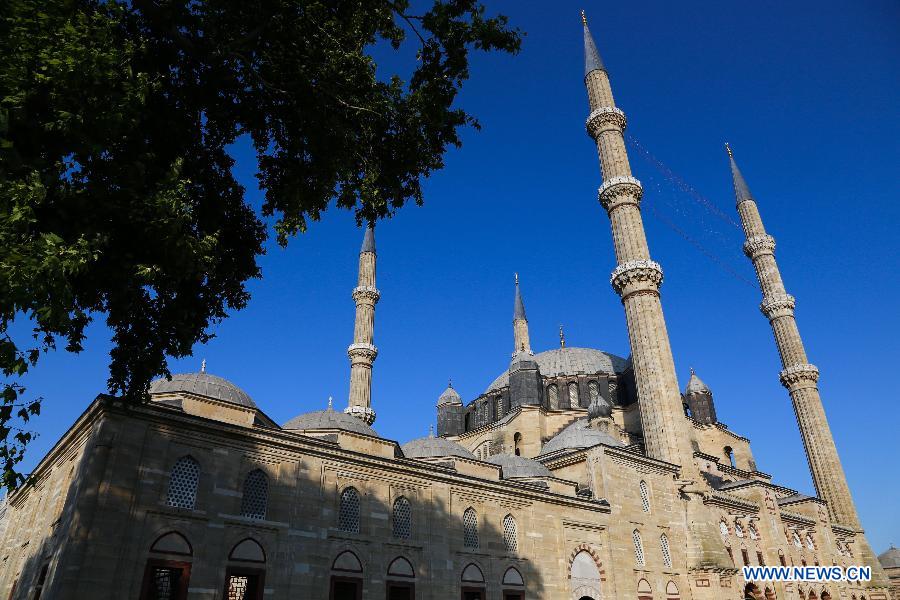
(575, 475)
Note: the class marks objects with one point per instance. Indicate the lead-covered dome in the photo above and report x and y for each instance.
(434, 447)
(512, 466)
(890, 558)
(579, 435)
(328, 419)
(569, 361)
(202, 384)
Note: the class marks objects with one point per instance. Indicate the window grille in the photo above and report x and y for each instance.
(256, 495)
(553, 394)
(796, 540)
(237, 587)
(638, 547)
(183, 483)
(754, 533)
(348, 514)
(499, 407)
(402, 518)
(510, 534)
(645, 496)
(738, 529)
(723, 528)
(165, 582)
(809, 542)
(664, 546)
(573, 395)
(470, 528)
(594, 391)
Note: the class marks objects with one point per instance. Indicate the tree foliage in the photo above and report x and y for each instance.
(116, 192)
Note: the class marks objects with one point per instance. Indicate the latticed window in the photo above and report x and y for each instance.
(256, 495)
(470, 528)
(754, 533)
(553, 395)
(510, 534)
(645, 496)
(638, 547)
(809, 542)
(183, 483)
(573, 394)
(499, 407)
(402, 518)
(594, 391)
(664, 546)
(738, 530)
(723, 528)
(796, 540)
(348, 513)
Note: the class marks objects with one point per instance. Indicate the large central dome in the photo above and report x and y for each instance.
(569, 361)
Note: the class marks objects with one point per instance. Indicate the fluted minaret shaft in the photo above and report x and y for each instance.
(798, 376)
(636, 278)
(521, 341)
(362, 352)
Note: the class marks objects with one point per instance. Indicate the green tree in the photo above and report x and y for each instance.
(116, 189)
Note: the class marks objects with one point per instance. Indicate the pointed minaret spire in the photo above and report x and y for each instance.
(521, 343)
(798, 376)
(592, 60)
(362, 352)
(637, 278)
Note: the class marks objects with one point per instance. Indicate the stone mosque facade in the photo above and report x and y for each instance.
(576, 475)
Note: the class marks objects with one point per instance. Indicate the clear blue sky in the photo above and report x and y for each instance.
(806, 92)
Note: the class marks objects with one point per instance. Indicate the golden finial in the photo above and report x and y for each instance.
(583, 18)
(562, 337)
(728, 149)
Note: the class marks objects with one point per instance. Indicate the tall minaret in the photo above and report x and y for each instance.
(636, 278)
(362, 353)
(520, 323)
(798, 376)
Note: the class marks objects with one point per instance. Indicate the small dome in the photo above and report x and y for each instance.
(569, 361)
(512, 466)
(578, 435)
(202, 384)
(890, 558)
(328, 419)
(434, 447)
(695, 385)
(450, 396)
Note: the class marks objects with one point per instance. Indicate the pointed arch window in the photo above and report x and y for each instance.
(256, 495)
(666, 552)
(638, 548)
(402, 518)
(553, 395)
(470, 528)
(573, 395)
(348, 511)
(510, 534)
(645, 496)
(183, 483)
(723, 529)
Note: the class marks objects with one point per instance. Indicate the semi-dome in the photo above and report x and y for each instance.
(434, 447)
(578, 435)
(202, 384)
(569, 361)
(890, 558)
(328, 419)
(512, 466)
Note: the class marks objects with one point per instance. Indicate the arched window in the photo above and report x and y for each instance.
(517, 442)
(754, 532)
(585, 575)
(638, 548)
(472, 582)
(346, 576)
(573, 395)
(729, 454)
(723, 528)
(594, 391)
(402, 518)
(687, 409)
(672, 591)
(553, 396)
(645, 496)
(168, 570)
(645, 592)
(348, 512)
(738, 529)
(510, 534)
(795, 537)
(809, 542)
(664, 546)
(183, 483)
(513, 585)
(470, 528)
(256, 495)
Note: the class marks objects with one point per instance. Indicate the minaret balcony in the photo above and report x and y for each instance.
(758, 245)
(604, 119)
(366, 293)
(362, 353)
(795, 374)
(618, 191)
(778, 305)
(636, 275)
(364, 413)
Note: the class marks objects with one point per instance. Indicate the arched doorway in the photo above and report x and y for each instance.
(246, 572)
(472, 583)
(401, 578)
(584, 576)
(168, 568)
(346, 577)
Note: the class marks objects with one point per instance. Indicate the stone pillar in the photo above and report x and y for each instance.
(362, 352)
(798, 376)
(637, 278)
